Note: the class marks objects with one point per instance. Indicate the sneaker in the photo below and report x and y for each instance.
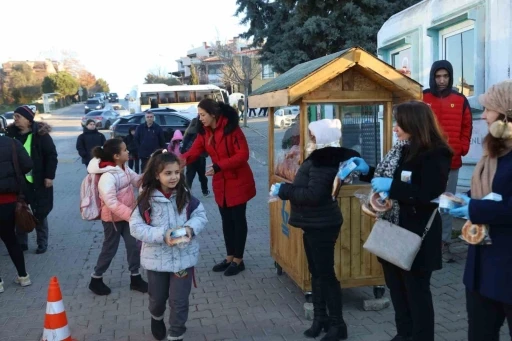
(206, 194)
(23, 281)
(234, 269)
(1, 286)
(447, 255)
(222, 266)
(174, 338)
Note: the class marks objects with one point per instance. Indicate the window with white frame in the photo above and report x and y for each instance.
(402, 61)
(458, 47)
(267, 72)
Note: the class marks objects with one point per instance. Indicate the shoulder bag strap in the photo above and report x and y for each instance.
(17, 167)
(429, 224)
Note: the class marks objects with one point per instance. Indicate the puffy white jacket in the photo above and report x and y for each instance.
(156, 255)
(116, 190)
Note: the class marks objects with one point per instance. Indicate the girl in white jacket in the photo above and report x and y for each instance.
(115, 189)
(164, 205)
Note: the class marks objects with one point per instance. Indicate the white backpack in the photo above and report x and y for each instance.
(90, 203)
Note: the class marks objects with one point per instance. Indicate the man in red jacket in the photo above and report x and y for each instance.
(454, 115)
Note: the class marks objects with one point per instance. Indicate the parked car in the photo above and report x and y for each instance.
(284, 117)
(113, 98)
(103, 118)
(127, 97)
(9, 117)
(118, 108)
(94, 104)
(168, 120)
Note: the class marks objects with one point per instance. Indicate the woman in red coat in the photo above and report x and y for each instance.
(233, 182)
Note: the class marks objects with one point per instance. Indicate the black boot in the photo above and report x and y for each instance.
(138, 284)
(320, 318)
(338, 328)
(98, 287)
(158, 329)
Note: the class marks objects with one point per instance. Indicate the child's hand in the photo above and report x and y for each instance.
(190, 232)
(167, 237)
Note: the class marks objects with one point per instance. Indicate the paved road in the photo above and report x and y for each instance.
(255, 305)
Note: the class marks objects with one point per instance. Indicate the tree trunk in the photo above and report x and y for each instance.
(246, 103)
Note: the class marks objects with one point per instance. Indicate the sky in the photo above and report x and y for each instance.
(119, 41)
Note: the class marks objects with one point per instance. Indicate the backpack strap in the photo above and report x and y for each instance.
(192, 205)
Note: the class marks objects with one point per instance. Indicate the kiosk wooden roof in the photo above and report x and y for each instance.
(317, 81)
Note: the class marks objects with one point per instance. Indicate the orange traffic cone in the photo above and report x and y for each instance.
(55, 321)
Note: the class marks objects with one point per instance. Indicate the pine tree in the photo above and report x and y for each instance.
(294, 31)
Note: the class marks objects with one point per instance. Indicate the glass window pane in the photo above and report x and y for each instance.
(402, 61)
(453, 53)
(287, 142)
(468, 67)
(183, 96)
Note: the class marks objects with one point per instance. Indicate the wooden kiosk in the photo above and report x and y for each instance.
(360, 90)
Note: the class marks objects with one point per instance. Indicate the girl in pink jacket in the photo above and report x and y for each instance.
(174, 145)
(117, 203)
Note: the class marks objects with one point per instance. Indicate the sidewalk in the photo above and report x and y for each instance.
(255, 305)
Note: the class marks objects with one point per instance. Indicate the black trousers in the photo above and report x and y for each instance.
(486, 317)
(234, 227)
(143, 163)
(412, 300)
(319, 247)
(8, 236)
(133, 163)
(199, 167)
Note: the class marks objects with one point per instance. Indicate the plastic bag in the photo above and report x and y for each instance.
(344, 167)
(178, 237)
(478, 234)
(447, 201)
(272, 198)
(373, 203)
(287, 163)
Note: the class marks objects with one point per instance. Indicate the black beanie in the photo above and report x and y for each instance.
(25, 112)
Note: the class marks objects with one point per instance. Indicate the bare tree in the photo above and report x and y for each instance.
(239, 68)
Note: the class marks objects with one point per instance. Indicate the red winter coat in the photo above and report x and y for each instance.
(233, 181)
(453, 113)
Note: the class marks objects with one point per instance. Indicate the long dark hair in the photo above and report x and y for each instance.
(215, 109)
(417, 119)
(109, 149)
(156, 164)
(492, 144)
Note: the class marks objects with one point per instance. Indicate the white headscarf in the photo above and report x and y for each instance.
(327, 133)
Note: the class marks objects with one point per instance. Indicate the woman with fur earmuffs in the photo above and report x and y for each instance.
(488, 274)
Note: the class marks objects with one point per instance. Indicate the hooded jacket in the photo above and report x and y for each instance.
(9, 184)
(310, 194)
(115, 189)
(156, 255)
(452, 111)
(174, 146)
(87, 141)
(233, 182)
(44, 156)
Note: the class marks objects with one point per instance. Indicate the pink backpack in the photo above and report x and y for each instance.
(90, 203)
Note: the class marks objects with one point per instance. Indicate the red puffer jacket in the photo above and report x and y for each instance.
(233, 181)
(454, 116)
(452, 111)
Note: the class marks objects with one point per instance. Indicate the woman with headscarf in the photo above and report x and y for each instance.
(488, 274)
(317, 213)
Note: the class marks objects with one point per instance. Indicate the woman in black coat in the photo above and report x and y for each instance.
(315, 211)
(9, 189)
(35, 137)
(89, 139)
(423, 154)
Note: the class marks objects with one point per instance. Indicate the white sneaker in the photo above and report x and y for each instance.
(23, 281)
(1, 286)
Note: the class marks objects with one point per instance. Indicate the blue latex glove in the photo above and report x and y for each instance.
(344, 172)
(275, 191)
(461, 212)
(381, 184)
(464, 197)
(362, 166)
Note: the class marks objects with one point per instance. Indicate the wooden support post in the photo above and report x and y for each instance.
(270, 138)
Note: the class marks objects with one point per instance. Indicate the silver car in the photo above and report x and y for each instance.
(102, 118)
(118, 108)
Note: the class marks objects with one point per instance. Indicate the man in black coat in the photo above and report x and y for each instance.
(89, 139)
(149, 137)
(36, 139)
